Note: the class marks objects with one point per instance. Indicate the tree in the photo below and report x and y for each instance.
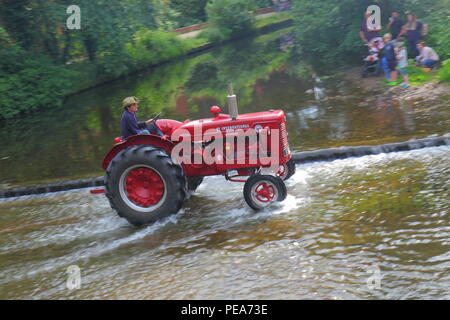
(230, 18)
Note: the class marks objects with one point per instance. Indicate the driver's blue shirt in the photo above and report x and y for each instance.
(130, 125)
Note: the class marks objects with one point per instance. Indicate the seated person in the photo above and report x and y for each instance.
(129, 123)
(428, 57)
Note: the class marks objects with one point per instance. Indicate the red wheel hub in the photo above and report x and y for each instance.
(144, 187)
(265, 192)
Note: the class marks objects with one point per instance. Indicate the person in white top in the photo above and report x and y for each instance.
(428, 57)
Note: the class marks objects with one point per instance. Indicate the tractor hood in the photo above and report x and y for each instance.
(223, 122)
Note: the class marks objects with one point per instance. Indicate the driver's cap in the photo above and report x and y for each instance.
(129, 101)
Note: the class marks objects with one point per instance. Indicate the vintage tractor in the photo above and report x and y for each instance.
(148, 177)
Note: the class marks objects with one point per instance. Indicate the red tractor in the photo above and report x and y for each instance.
(148, 177)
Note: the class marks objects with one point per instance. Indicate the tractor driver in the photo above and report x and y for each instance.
(129, 123)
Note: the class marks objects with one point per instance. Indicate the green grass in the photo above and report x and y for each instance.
(417, 75)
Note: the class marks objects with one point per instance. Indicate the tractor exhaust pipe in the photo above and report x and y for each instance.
(232, 103)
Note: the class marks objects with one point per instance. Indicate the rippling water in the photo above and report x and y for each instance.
(341, 219)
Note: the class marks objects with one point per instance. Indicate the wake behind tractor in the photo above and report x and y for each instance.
(148, 177)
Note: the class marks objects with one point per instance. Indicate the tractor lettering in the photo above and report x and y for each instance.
(213, 153)
(198, 144)
(269, 153)
(181, 152)
(246, 140)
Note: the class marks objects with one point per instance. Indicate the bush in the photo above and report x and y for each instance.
(444, 72)
(191, 12)
(4, 38)
(155, 46)
(263, 3)
(29, 82)
(229, 19)
(439, 23)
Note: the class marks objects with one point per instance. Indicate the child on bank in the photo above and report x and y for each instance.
(389, 54)
(402, 62)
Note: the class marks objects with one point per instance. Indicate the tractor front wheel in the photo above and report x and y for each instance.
(261, 190)
(143, 185)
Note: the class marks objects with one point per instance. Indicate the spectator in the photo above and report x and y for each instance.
(414, 31)
(402, 58)
(367, 33)
(395, 25)
(427, 57)
(389, 54)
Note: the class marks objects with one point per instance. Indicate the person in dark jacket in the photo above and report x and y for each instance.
(414, 31)
(391, 58)
(129, 123)
(395, 25)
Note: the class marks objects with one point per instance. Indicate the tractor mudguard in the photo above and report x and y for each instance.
(143, 139)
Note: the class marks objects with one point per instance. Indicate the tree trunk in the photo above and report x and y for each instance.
(91, 49)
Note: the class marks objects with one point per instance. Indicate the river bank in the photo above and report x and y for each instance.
(426, 95)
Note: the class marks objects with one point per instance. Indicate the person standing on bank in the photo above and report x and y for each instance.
(395, 25)
(402, 65)
(414, 31)
(391, 58)
(367, 33)
(129, 123)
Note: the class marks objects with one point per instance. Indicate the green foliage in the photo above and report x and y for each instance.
(438, 20)
(328, 29)
(276, 18)
(5, 39)
(263, 3)
(155, 46)
(229, 19)
(444, 72)
(191, 12)
(28, 82)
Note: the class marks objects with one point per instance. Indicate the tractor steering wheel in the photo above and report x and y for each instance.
(155, 118)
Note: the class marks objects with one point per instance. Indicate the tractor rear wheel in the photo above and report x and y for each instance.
(143, 184)
(193, 183)
(261, 190)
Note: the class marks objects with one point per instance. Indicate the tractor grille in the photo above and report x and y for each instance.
(284, 139)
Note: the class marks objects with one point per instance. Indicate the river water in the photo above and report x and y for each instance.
(375, 227)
